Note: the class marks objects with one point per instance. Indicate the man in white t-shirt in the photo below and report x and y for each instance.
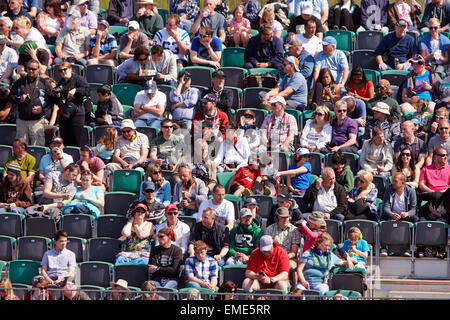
(8, 60)
(149, 105)
(224, 208)
(311, 43)
(175, 39)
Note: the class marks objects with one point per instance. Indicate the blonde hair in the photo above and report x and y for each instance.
(6, 285)
(442, 111)
(267, 13)
(369, 178)
(108, 139)
(22, 21)
(326, 111)
(240, 7)
(354, 233)
(436, 20)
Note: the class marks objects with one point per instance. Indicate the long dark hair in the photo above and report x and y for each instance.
(322, 72)
(56, 5)
(412, 162)
(359, 71)
(227, 286)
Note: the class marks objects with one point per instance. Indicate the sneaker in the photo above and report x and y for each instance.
(267, 191)
(247, 192)
(406, 254)
(383, 253)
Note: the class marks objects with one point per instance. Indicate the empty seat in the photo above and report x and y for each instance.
(234, 76)
(104, 249)
(77, 246)
(316, 160)
(126, 92)
(7, 245)
(134, 273)
(40, 226)
(344, 39)
(252, 97)
(110, 225)
(38, 152)
(5, 153)
(270, 294)
(233, 57)
(128, 180)
(7, 134)
(431, 233)
(395, 77)
(353, 281)
(334, 228)
(235, 273)
(23, 271)
(368, 39)
(77, 225)
(100, 73)
(95, 273)
(189, 220)
(396, 235)
(32, 247)
(94, 292)
(200, 75)
(11, 224)
(117, 202)
(150, 132)
(73, 151)
(364, 58)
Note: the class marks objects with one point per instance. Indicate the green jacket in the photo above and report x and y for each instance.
(394, 108)
(150, 25)
(346, 179)
(244, 241)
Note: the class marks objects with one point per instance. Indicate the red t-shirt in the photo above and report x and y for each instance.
(219, 121)
(273, 265)
(246, 177)
(364, 92)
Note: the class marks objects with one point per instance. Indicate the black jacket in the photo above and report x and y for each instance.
(82, 90)
(217, 237)
(341, 198)
(39, 91)
(225, 101)
(115, 11)
(168, 260)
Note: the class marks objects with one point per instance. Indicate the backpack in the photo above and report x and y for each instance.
(260, 80)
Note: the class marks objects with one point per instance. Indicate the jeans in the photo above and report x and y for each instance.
(125, 259)
(233, 260)
(15, 210)
(166, 283)
(155, 123)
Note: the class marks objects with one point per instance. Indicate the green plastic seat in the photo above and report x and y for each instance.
(264, 71)
(224, 178)
(344, 39)
(254, 32)
(233, 57)
(164, 13)
(128, 180)
(298, 116)
(126, 92)
(127, 111)
(119, 29)
(373, 75)
(23, 271)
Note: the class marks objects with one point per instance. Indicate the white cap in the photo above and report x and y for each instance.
(307, 7)
(133, 24)
(127, 123)
(279, 99)
(265, 243)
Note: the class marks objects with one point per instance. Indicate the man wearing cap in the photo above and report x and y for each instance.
(59, 263)
(332, 59)
(319, 10)
(155, 209)
(210, 112)
(130, 40)
(291, 86)
(209, 17)
(383, 93)
(264, 50)
(327, 196)
(419, 84)
(175, 39)
(30, 96)
(267, 267)
(243, 238)
(104, 46)
(150, 22)
(215, 234)
(73, 41)
(165, 64)
(223, 207)
(183, 100)
(181, 229)
(306, 61)
(149, 105)
(121, 12)
(298, 24)
(286, 234)
(224, 95)
(55, 160)
(279, 128)
(206, 49)
(88, 18)
(382, 119)
(396, 45)
(131, 149)
(8, 60)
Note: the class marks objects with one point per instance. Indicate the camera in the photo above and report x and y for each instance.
(187, 78)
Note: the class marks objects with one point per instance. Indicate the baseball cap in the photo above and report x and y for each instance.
(219, 73)
(294, 61)
(265, 243)
(250, 112)
(148, 185)
(245, 212)
(209, 98)
(150, 86)
(250, 201)
(133, 24)
(329, 40)
(171, 207)
(307, 7)
(104, 22)
(416, 120)
(278, 99)
(302, 152)
(127, 123)
(141, 206)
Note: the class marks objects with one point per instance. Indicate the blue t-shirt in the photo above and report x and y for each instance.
(301, 181)
(335, 63)
(418, 84)
(400, 48)
(298, 84)
(318, 266)
(216, 45)
(107, 46)
(92, 192)
(361, 245)
(47, 165)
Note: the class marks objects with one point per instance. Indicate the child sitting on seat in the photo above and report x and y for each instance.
(299, 174)
(317, 226)
(355, 250)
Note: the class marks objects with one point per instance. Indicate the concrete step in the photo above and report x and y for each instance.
(419, 295)
(411, 288)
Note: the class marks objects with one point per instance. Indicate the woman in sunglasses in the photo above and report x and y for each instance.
(419, 84)
(362, 199)
(163, 191)
(407, 165)
(316, 133)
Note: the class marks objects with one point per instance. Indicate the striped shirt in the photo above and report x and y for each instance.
(204, 269)
(163, 38)
(107, 46)
(286, 237)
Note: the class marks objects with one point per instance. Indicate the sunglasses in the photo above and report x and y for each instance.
(443, 155)
(156, 172)
(342, 111)
(145, 59)
(167, 127)
(444, 128)
(203, 36)
(248, 116)
(361, 180)
(433, 28)
(149, 190)
(403, 154)
(32, 69)
(62, 70)
(318, 114)
(126, 131)
(171, 213)
(420, 62)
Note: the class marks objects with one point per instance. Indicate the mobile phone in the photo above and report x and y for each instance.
(261, 273)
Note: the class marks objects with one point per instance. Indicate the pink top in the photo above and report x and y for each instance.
(311, 237)
(436, 179)
(245, 23)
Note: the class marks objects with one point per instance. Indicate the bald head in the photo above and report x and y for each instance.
(408, 129)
